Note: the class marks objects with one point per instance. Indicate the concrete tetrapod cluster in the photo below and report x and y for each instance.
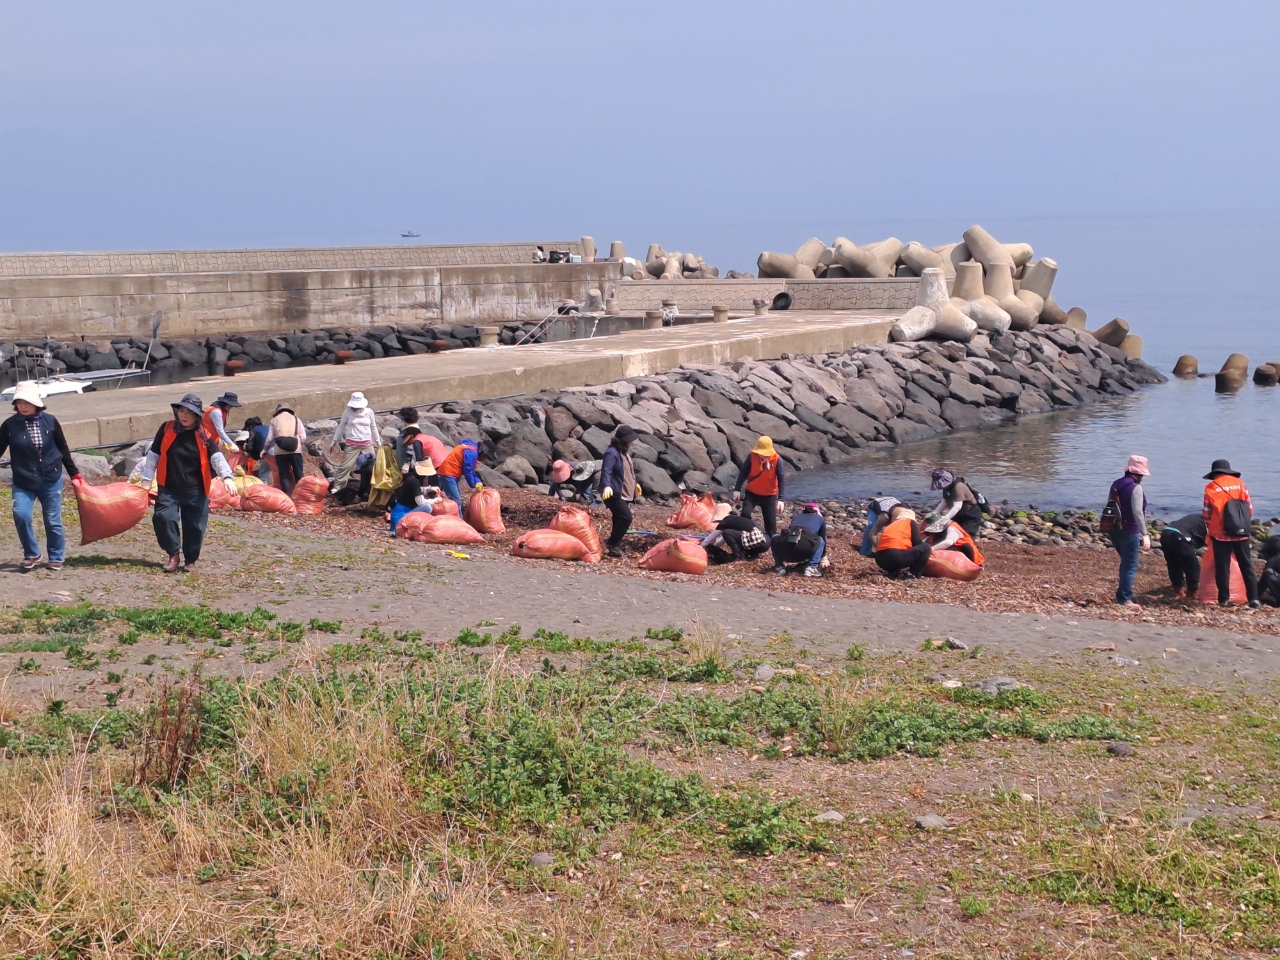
(658, 264)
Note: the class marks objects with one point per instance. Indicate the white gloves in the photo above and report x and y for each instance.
(737, 496)
(606, 493)
(231, 486)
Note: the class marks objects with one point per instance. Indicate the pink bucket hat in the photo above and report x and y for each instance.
(560, 471)
(1139, 466)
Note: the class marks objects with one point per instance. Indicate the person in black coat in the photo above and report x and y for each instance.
(618, 487)
(38, 453)
(1179, 542)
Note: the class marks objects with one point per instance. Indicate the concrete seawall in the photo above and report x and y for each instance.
(119, 416)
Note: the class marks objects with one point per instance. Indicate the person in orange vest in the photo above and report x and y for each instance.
(901, 550)
(763, 476)
(214, 420)
(1228, 516)
(957, 538)
(458, 465)
(183, 459)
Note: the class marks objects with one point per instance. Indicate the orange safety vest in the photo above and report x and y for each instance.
(968, 541)
(896, 536)
(202, 440)
(206, 421)
(452, 465)
(1220, 490)
(762, 477)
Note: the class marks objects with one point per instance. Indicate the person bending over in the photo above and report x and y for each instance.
(959, 502)
(803, 542)
(957, 538)
(744, 539)
(901, 550)
(1179, 542)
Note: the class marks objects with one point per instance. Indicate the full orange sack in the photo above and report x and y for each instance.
(433, 529)
(445, 508)
(1208, 592)
(694, 512)
(262, 498)
(676, 556)
(951, 564)
(484, 511)
(220, 498)
(308, 495)
(549, 545)
(577, 523)
(109, 510)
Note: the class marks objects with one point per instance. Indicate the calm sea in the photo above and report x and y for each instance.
(1186, 285)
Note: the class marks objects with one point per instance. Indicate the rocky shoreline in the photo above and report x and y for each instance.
(697, 423)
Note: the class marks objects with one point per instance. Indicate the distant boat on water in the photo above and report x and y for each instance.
(411, 233)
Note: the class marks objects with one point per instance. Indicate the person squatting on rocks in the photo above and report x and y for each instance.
(1228, 517)
(744, 539)
(356, 434)
(284, 440)
(38, 453)
(1130, 538)
(955, 537)
(574, 478)
(214, 420)
(414, 493)
(878, 509)
(618, 486)
(901, 550)
(765, 480)
(1179, 542)
(803, 542)
(959, 503)
(460, 464)
(183, 459)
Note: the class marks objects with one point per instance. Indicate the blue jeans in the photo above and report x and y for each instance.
(180, 519)
(449, 487)
(24, 505)
(1129, 545)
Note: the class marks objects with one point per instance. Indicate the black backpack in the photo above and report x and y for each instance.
(1111, 519)
(984, 506)
(1237, 517)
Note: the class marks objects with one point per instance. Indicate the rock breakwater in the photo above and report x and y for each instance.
(697, 423)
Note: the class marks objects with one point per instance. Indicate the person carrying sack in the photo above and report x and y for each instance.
(1129, 527)
(285, 437)
(38, 452)
(183, 459)
(1228, 518)
(765, 481)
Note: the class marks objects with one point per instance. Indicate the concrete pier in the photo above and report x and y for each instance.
(120, 416)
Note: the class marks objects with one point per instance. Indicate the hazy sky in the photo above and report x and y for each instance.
(719, 127)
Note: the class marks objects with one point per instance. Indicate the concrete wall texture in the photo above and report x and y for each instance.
(699, 296)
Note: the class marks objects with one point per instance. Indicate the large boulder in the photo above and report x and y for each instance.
(962, 416)
(527, 441)
(696, 481)
(717, 443)
(492, 478)
(560, 423)
(695, 450)
(674, 461)
(726, 475)
(586, 412)
(902, 430)
(571, 450)
(106, 360)
(769, 426)
(494, 425)
(518, 470)
(741, 440)
(852, 422)
(654, 480)
(717, 406)
(596, 440)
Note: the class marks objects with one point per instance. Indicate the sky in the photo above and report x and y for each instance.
(722, 128)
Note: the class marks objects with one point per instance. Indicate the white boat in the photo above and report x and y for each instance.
(74, 383)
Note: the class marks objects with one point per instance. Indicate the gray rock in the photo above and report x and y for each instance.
(764, 673)
(809, 419)
(829, 816)
(695, 450)
(495, 426)
(640, 450)
(718, 407)
(695, 481)
(655, 481)
(961, 416)
(586, 412)
(725, 475)
(93, 466)
(528, 441)
(1032, 400)
(1003, 387)
(720, 385)
(798, 459)
(104, 361)
(768, 405)
(853, 422)
(966, 391)
(193, 353)
(257, 350)
(926, 400)
(931, 821)
(741, 440)
(995, 685)
(560, 423)
(571, 450)
(902, 430)
(913, 411)
(595, 440)
(674, 461)
(542, 860)
(717, 443)
(492, 478)
(932, 386)
(769, 426)
(518, 470)
(1120, 748)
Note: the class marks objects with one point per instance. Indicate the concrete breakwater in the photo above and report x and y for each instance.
(698, 422)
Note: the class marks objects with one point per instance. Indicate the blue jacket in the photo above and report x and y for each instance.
(32, 467)
(611, 471)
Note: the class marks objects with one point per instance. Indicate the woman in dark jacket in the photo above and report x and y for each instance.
(618, 487)
(37, 453)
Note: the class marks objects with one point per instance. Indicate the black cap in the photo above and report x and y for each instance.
(229, 399)
(1219, 468)
(625, 434)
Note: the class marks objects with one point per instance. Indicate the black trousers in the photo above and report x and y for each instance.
(291, 470)
(1180, 558)
(768, 510)
(621, 512)
(893, 562)
(1223, 551)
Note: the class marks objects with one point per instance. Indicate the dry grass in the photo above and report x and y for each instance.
(707, 640)
(11, 707)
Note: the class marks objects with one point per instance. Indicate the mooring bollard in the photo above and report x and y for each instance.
(761, 307)
(719, 314)
(489, 336)
(611, 306)
(653, 319)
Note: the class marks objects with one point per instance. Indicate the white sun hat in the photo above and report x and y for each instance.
(29, 391)
(357, 401)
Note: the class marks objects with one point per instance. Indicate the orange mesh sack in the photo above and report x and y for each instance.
(484, 511)
(577, 523)
(676, 556)
(1208, 592)
(446, 530)
(220, 498)
(308, 495)
(411, 524)
(445, 508)
(694, 512)
(236, 458)
(549, 545)
(261, 498)
(951, 564)
(109, 510)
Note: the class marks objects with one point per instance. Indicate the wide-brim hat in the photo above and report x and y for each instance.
(424, 468)
(625, 434)
(941, 479)
(282, 408)
(190, 402)
(357, 401)
(585, 469)
(561, 471)
(29, 391)
(1138, 465)
(229, 399)
(239, 436)
(764, 447)
(1221, 468)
